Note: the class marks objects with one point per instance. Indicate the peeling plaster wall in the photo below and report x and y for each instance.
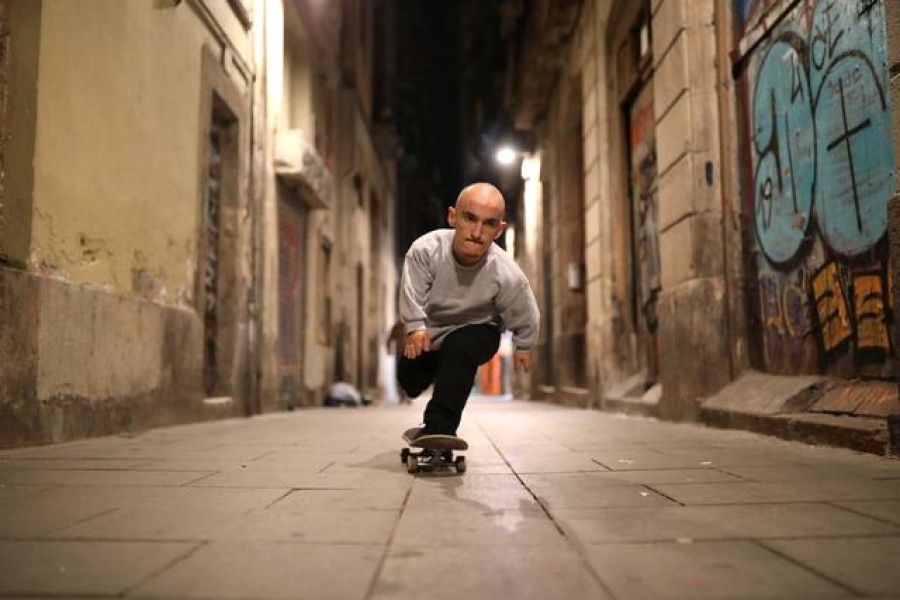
(116, 162)
(110, 339)
(19, 87)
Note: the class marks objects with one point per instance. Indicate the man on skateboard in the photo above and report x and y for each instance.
(458, 292)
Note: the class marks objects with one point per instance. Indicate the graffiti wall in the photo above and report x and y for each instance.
(820, 137)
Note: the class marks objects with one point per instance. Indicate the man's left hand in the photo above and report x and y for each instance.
(522, 360)
(417, 342)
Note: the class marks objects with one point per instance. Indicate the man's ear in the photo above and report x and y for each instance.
(500, 230)
(451, 216)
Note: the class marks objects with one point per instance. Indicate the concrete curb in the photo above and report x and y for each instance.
(776, 405)
(863, 434)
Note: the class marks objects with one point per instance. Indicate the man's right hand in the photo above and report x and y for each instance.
(417, 342)
(522, 360)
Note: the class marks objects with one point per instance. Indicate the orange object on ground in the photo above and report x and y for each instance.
(490, 376)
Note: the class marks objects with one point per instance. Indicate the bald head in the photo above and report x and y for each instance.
(478, 221)
(483, 194)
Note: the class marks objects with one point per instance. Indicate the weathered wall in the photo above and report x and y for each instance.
(19, 418)
(54, 389)
(118, 99)
(563, 356)
(23, 21)
(602, 369)
(771, 188)
(820, 172)
(692, 311)
(270, 50)
(116, 161)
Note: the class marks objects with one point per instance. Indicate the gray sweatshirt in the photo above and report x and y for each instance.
(440, 295)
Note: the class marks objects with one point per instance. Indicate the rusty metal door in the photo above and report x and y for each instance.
(212, 221)
(645, 224)
(292, 218)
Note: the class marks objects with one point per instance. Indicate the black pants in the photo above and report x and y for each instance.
(452, 369)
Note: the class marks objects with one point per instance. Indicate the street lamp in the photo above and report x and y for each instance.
(506, 155)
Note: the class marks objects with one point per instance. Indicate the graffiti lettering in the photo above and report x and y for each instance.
(823, 171)
(785, 165)
(797, 78)
(831, 307)
(796, 307)
(871, 330)
(865, 6)
(845, 138)
(821, 131)
(824, 41)
(787, 321)
(770, 302)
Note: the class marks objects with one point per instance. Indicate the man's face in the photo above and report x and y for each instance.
(478, 221)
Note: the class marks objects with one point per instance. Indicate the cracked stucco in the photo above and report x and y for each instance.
(109, 212)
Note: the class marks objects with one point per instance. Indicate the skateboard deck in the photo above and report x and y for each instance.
(435, 452)
(434, 442)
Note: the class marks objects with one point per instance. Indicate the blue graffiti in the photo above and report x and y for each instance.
(822, 132)
(854, 145)
(783, 142)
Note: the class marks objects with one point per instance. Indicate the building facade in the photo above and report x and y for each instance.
(332, 187)
(194, 212)
(706, 193)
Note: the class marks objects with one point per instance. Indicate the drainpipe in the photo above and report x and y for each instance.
(724, 86)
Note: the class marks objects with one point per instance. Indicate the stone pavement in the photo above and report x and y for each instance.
(558, 503)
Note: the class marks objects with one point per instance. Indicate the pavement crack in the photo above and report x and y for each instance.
(607, 467)
(573, 542)
(201, 478)
(860, 513)
(832, 580)
(516, 474)
(279, 499)
(58, 530)
(387, 546)
(663, 494)
(190, 552)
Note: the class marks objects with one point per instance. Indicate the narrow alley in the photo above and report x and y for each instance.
(557, 503)
(657, 240)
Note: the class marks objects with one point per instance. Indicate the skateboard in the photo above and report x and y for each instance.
(435, 452)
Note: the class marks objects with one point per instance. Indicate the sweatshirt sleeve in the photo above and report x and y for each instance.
(520, 314)
(415, 281)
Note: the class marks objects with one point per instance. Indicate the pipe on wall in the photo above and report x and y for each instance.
(724, 86)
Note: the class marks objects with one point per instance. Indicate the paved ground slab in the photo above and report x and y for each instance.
(557, 503)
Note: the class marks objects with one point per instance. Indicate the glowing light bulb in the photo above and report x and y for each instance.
(506, 155)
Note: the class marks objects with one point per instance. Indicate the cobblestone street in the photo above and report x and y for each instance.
(556, 503)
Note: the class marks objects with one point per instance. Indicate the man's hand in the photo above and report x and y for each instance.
(522, 360)
(417, 342)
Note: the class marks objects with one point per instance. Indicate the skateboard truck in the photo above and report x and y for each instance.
(434, 452)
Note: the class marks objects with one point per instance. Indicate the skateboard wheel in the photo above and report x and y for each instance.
(412, 464)
(460, 464)
(404, 454)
